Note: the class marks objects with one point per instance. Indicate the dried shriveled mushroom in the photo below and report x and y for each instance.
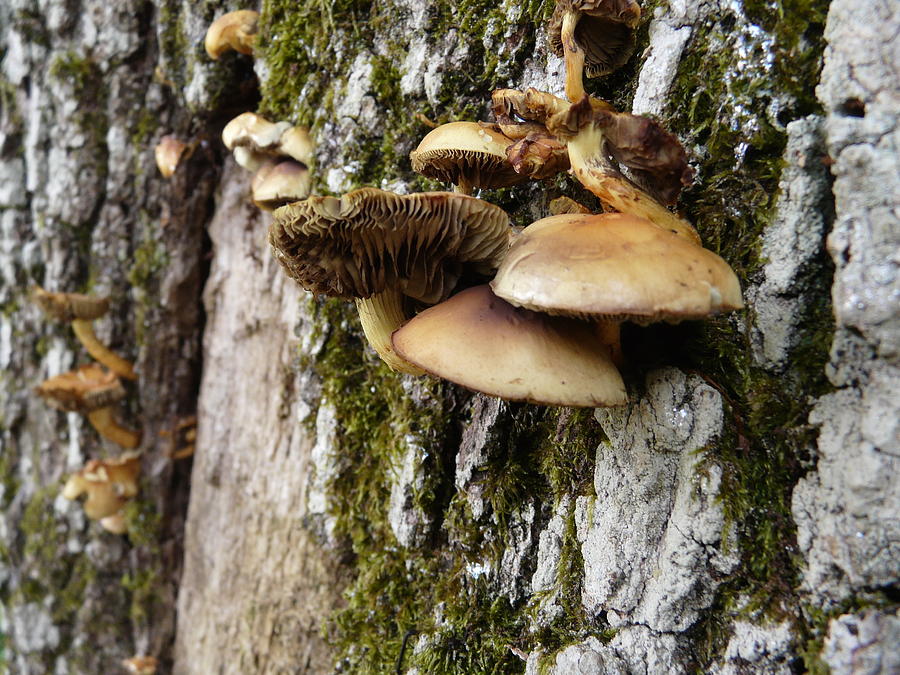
(614, 267)
(80, 310)
(280, 183)
(108, 483)
(169, 152)
(596, 136)
(234, 30)
(91, 391)
(467, 154)
(378, 247)
(594, 36)
(482, 342)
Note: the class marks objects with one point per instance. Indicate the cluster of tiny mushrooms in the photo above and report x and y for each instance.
(545, 329)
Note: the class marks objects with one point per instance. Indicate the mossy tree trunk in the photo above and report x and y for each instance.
(739, 513)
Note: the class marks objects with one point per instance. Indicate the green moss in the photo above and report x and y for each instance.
(85, 78)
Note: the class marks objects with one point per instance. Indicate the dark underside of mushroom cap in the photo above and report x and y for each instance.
(69, 306)
(479, 169)
(370, 240)
(607, 41)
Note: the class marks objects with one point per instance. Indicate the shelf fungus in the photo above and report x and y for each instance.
(595, 37)
(234, 30)
(92, 391)
(80, 310)
(381, 248)
(481, 342)
(599, 140)
(168, 153)
(611, 268)
(108, 484)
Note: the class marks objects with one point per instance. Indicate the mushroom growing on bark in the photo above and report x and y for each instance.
(108, 483)
(279, 183)
(234, 30)
(614, 267)
(379, 247)
(91, 391)
(256, 141)
(595, 37)
(168, 153)
(80, 310)
(482, 342)
(596, 136)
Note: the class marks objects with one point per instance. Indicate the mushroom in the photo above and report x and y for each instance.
(116, 523)
(108, 483)
(280, 183)
(614, 267)
(90, 390)
(234, 30)
(141, 665)
(483, 343)
(467, 154)
(168, 154)
(594, 36)
(256, 141)
(595, 135)
(378, 247)
(80, 310)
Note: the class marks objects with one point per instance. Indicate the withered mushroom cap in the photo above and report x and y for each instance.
(252, 130)
(614, 266)
(69, 306)
(277, 184)
(369, 240)
(466, 153)
(482, 342)
(82, 390)
(234, 30)
(605, 31)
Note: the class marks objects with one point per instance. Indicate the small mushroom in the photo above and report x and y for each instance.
(280, 183)
(141, 665)
(379, 247)
(108, 483)
(116, 523)
(91, 391)
(80, 310)
(169, 152)
(234, 30)
(467, 154)
(482, 342)
(594, 36)
(614, 267)
(256, 141)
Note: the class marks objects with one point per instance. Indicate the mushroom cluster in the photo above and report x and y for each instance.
(546, 328)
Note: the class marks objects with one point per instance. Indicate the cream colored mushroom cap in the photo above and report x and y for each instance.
(278, 184)
(296, 143)
(168, 154)
(481, 342)
(254, 131)
(614, 265)
(234, 30)
(473, 151)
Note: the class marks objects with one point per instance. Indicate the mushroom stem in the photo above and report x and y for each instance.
(380, 315)
(103, 421)
(574, 56)
(463, 187)
(85, 334)
(597, 174)
(608, 333)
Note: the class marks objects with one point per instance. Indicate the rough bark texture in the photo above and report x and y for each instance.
(740, 514)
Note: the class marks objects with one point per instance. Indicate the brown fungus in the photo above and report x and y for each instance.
(80, 310)
(278, 183)
(169, 153)
(108, 484)
(379, 247)
(483, 343)
(595, 37)
(91, 391)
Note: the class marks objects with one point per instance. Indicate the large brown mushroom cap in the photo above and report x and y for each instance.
(616, 266)
(482, 342)
(370, 240)
(88, 388)
(605, 31)
(466, 153)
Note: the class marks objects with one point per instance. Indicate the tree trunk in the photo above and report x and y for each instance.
(739, 514)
